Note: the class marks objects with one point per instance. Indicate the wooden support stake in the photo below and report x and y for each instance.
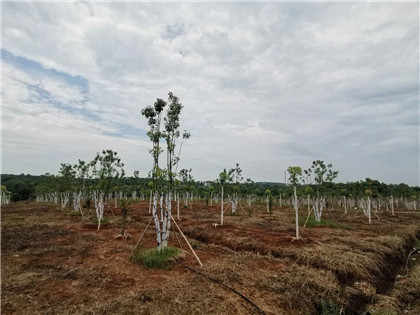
(144, 232)
(188, 243)
(177, 239)
(304, 226)
(226, 207)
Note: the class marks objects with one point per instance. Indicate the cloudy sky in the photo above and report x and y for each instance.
(265, 85)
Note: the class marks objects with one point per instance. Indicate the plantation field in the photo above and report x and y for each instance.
(52, 262)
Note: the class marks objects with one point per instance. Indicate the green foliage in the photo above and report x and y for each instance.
(294, 173)
(322, 173)
(155, 259)
(108, 170)
(22, 187)
(223, 177)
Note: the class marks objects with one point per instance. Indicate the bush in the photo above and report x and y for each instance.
(154, 259)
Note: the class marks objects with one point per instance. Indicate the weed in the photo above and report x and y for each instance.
(154, 259)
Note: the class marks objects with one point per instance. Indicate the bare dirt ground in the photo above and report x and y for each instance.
(53, 263)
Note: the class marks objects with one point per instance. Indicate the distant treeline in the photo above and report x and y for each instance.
(27, 187)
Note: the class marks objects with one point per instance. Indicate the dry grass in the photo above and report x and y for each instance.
(404, 296)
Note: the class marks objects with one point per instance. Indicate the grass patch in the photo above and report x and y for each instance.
(75, 213)
(324, 222)
(103, 221)
(154, 259)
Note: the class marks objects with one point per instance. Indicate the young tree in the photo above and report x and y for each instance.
(154, 116)
(107, 171)
(164, 179)
(295, 173)
(187, 184)
(269, 201)
(234, 179)
(322, 174)
(223, 178)
(171, 134)
(66, 182)
(367, 210)
(5, 195)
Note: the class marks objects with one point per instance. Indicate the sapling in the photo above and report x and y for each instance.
(99, 206)
(223, 177)
(294, 174)
(269, 201)
(77, 201)
(125, 209)
(64, 199)
(170, 134)
(368, 205)
(234, 180)
(5, 195)
(322, 174)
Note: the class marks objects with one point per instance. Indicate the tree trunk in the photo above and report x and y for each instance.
(156, 219)
(150, 202)
(221, 213)
(296, 213)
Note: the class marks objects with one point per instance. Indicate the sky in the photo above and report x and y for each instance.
(265, 85)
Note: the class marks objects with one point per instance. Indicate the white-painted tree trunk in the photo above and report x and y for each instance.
(177, 206)
(167, 220)
(76, 201)
(392, 206)
(268, 204)
(161, 208)
(64, 200)
(221, 213)
(99, 206)
(150, 202)
(234, 202)
(296, 212)
(345, 205)
(318, 206)
(156, 220)
(309, 204)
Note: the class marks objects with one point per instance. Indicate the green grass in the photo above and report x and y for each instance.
(75, 213)
(154, 259)
(103, 221)
(324, 222)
